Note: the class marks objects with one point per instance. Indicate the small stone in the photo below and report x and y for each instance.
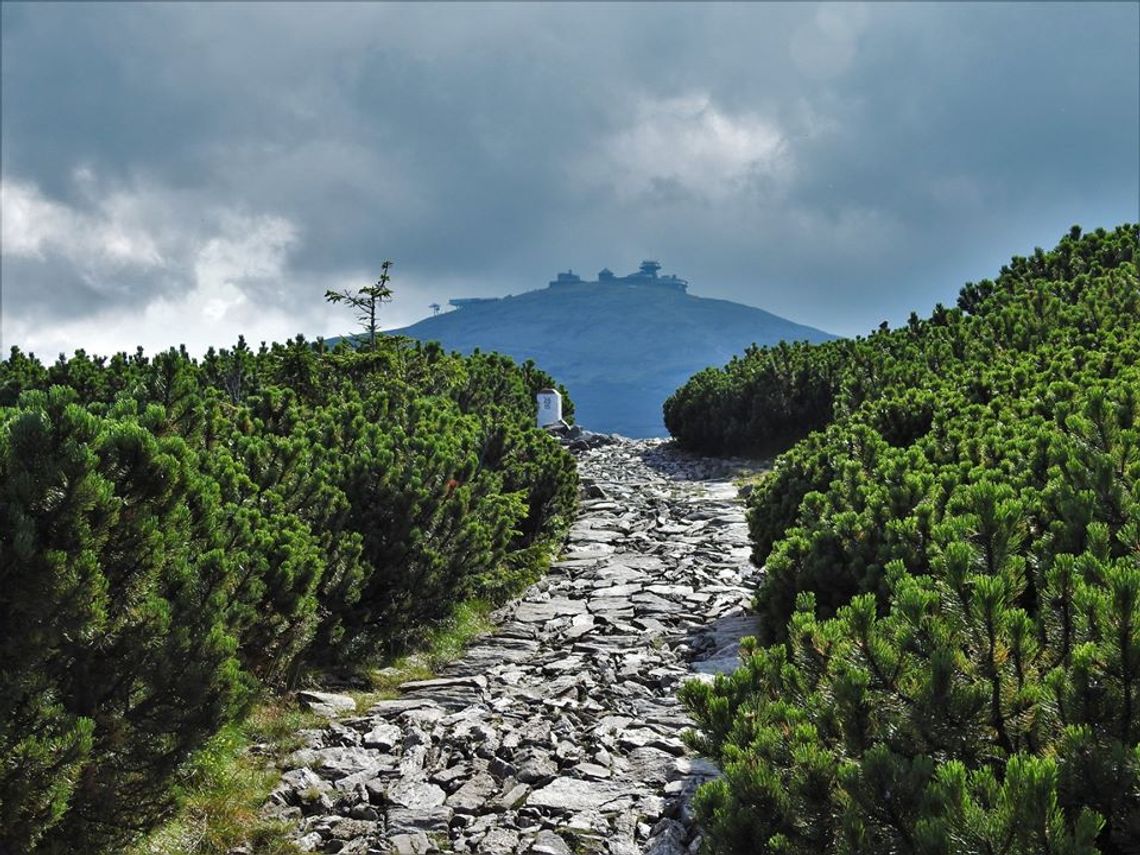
(592, 770)
(416, 843)
(326, 704)
(515, 797)
(567, 751)
(499, 841)
(310, 842)
(452, 777)
(537, 768)
(549, 843)
(416, 794)
(364, 812)
(383, 737)
(430, 820)
(501, 769)
(471, 797)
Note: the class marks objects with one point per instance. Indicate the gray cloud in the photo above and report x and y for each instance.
(216, 167)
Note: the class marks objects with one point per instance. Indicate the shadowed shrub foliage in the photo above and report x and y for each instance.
(176, 533)
(951, 603)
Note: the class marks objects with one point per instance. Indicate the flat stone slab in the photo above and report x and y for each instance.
(326, 704)
(575, 794)
(529, 612)
(336, 762)
(472, 796)
(475, 682)
(549, 843)
(416, 794)
(419, 820)
(383, 737)
(399, 705)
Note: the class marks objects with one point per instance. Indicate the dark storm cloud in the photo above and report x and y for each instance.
(838, 164)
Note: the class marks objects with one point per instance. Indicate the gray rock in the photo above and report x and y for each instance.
(335, 763)
(472, 796)
(667, 838)
(501, 769)
(650, 765)
(299, 780)
(544, 612)
(499, 841)
(383, 737)
(311, 842)
(395, 706)
(592, 770)
(514, 797)
(416, 843)
(416, 794)
(365, 812)
(549, 843)
(574, 794)
(452, 777)
(430, 820)
(536, 767)
(476, 682)
(326, 703)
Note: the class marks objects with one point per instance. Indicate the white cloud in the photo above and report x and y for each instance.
(687, 146)
(253, 248)
(110, 238)
(230, 268)
(826, 45)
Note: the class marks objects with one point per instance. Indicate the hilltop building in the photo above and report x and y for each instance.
(646, 275)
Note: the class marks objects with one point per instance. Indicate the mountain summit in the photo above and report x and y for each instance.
(620, 344)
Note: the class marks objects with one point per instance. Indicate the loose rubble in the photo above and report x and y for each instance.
(560, 732)
(577, 438)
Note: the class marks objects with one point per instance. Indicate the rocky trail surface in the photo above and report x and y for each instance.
(559, 733)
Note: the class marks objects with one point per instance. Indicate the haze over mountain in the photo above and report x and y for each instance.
(621, 347)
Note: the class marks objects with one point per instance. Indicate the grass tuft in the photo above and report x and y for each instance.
(226, 784)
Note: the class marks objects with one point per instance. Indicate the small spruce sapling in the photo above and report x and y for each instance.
(367, 302)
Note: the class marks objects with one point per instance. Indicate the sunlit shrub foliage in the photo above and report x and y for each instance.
(175, 533)
(949, 649)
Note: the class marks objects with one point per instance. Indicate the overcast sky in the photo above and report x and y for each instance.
(181, 173)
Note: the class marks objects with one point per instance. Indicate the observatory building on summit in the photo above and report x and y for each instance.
(646, 275)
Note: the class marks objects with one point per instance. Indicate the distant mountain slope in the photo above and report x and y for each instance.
(620, 349)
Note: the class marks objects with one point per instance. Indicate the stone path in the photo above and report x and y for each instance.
(559, 733)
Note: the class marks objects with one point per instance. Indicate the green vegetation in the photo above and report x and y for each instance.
(367, 302)
(179, 536)
(225, 784)
(951, 604)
